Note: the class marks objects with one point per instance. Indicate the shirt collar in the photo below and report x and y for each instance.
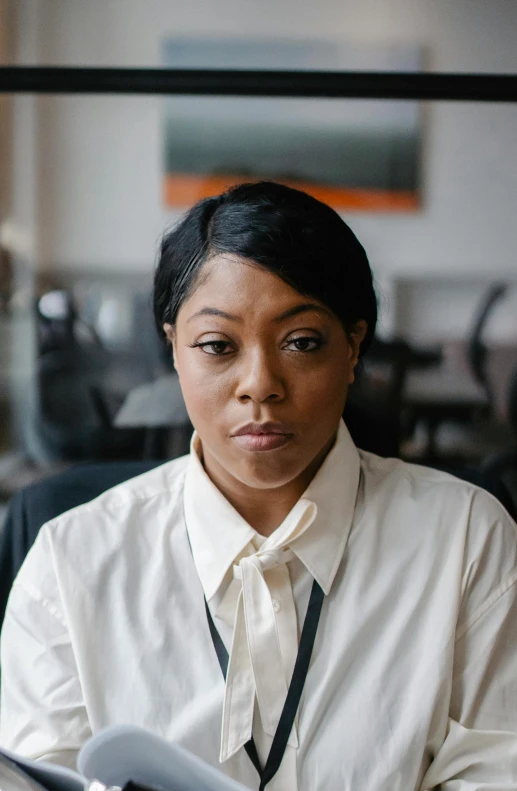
(219, 535)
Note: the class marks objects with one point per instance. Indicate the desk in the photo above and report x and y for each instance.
(440, 394)
(159, 408)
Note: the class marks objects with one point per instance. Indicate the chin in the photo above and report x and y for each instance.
(262, 473)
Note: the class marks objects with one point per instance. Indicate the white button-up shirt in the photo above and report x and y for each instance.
(413, 678)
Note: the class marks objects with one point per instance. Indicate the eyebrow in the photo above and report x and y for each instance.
(307, 308)
(287, 314)
(214, 312)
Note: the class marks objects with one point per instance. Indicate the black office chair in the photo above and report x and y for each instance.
(373, 411)
(476, 349)
(512, 401)
(444, 395)
(502, 466)
(77, 382)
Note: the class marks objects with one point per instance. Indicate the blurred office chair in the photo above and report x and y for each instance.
(502, 469)
(373, 412)
(476, 348)
(446, 394)
(512, 401)
(502, 466)
(153, 349)
(76, 382)
(58, 324)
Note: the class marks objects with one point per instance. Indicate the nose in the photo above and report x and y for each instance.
(259, 378)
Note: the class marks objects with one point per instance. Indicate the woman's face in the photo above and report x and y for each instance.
(249, 349)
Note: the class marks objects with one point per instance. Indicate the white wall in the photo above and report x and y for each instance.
(99, 186)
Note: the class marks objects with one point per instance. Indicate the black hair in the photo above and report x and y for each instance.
(284, 230)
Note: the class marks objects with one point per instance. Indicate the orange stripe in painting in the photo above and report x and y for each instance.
(183, 189)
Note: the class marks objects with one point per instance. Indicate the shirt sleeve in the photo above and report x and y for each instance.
(479, 751)
(42, 711)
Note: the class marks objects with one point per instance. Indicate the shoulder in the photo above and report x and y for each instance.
(413, 486)
(157, 488)
(456, 523)
(114, 529)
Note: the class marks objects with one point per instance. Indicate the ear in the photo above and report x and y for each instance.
(171, 338)
(355, 338)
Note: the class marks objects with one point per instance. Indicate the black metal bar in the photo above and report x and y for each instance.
(315, 84)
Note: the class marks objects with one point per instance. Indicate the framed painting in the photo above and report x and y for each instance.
(359, 155)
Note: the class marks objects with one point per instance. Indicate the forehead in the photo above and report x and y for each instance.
(226, 268)
(233, 282)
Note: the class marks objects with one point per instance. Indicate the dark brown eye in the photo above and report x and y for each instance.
(306, 344)
(218, 348)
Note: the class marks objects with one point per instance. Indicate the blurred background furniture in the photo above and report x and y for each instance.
(79, 385)
(159, 409)
(96, 400)
(477, 349)
(502, 467)
(374, 407)
(458, 390)
(433, 397)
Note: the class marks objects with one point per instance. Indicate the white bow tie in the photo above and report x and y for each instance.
(259, 665)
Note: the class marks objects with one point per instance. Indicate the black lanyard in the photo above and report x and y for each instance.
(294, 693)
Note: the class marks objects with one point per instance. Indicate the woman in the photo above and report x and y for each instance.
(397, 582)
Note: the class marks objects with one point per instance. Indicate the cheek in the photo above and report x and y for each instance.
(205, 391)
(324, 387)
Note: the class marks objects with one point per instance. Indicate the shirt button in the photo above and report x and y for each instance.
(276, 605)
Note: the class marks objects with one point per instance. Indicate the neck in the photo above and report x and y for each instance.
(263, 509)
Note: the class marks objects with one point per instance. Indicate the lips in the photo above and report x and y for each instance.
(263, 428)
(262, 436)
